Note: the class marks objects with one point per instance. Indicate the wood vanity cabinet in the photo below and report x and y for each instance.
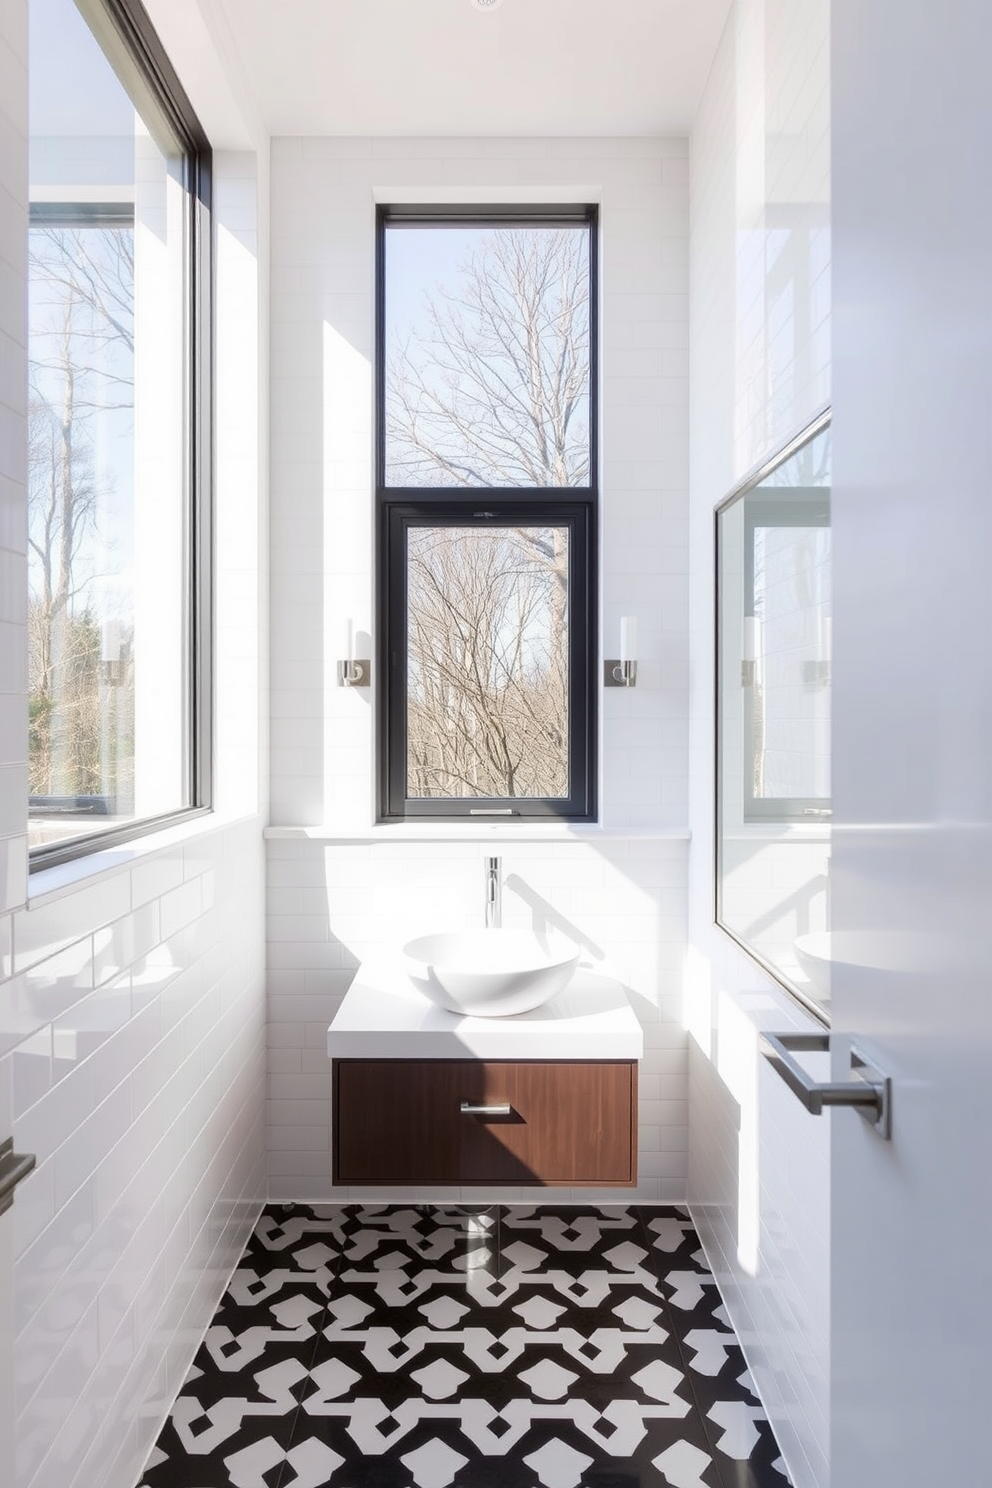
(569, 1123)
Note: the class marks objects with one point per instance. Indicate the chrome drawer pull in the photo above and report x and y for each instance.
(13, 1167)
(468, 1109)
(869, 1091)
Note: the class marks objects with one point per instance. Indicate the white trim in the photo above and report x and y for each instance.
(414, 831)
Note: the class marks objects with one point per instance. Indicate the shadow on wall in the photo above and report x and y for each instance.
(546, 917)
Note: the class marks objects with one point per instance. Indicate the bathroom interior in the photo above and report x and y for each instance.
(787, 703)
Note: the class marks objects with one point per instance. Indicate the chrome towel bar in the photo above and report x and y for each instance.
(868, 1091)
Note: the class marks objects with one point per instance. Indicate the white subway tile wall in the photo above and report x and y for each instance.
(131, 1006)
(331, 906)
(133, 1070)
(759, 1174)
(323, 251)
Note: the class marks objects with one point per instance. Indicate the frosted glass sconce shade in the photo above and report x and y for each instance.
(623, 671)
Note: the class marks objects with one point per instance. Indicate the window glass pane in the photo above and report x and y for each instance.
(487, 628)
(790, 716)
(486, 356)
(108, 533)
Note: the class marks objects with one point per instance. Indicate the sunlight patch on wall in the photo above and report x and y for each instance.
(737, 1063)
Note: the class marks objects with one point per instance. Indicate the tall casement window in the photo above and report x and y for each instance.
(487, 511)
(119, 452)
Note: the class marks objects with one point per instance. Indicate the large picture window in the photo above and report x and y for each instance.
(487, 500)
(118, 458)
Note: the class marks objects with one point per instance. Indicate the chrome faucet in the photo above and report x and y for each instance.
(494, 906)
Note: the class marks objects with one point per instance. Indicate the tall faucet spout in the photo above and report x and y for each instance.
(494, 906)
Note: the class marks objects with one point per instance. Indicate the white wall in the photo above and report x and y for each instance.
(759, 315)
(131, 992)
(337, 893)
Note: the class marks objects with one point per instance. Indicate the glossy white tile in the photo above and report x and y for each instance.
(31, 1070)
(6, 944)
(13, 877)
(89, 1024)
(48, 928)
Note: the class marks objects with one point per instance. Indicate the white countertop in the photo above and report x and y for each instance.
(384, 1016)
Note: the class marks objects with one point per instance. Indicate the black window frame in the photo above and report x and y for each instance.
(400, 507)
(124, 31)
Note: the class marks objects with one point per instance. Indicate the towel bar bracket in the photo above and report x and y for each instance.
(868, 1091)
(13, 1167)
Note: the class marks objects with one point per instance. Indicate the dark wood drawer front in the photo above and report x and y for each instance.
(399, 1121)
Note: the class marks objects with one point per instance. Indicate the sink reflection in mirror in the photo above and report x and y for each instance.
(490, 973)
(813, 955)
(774, 626)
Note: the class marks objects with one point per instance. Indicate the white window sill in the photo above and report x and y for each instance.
(49, 884)
(779, 832)
(517, 831)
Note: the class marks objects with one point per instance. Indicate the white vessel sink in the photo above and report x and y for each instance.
(490, 973)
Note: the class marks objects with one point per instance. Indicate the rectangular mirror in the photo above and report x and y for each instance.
(774, 655)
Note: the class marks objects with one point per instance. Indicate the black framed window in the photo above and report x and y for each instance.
(486, 478)
(119, 458)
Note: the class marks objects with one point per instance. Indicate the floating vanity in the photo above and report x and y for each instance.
(423, 1095)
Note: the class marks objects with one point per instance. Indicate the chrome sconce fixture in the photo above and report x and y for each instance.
(354, 671)
(622, 672)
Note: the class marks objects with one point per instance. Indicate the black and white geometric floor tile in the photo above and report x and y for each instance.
(392, 1347)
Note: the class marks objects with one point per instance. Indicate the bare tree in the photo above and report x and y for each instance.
(80, 367)
(488, 695)
(61, 504)
(97, 273)
(493, 392)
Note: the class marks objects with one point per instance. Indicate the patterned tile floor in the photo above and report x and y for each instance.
(383, 1346)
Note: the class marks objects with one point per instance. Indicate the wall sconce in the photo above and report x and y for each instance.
(353, 672)
(622, 672)
(750, 650)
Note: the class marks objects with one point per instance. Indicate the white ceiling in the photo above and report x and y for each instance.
(443, 67)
